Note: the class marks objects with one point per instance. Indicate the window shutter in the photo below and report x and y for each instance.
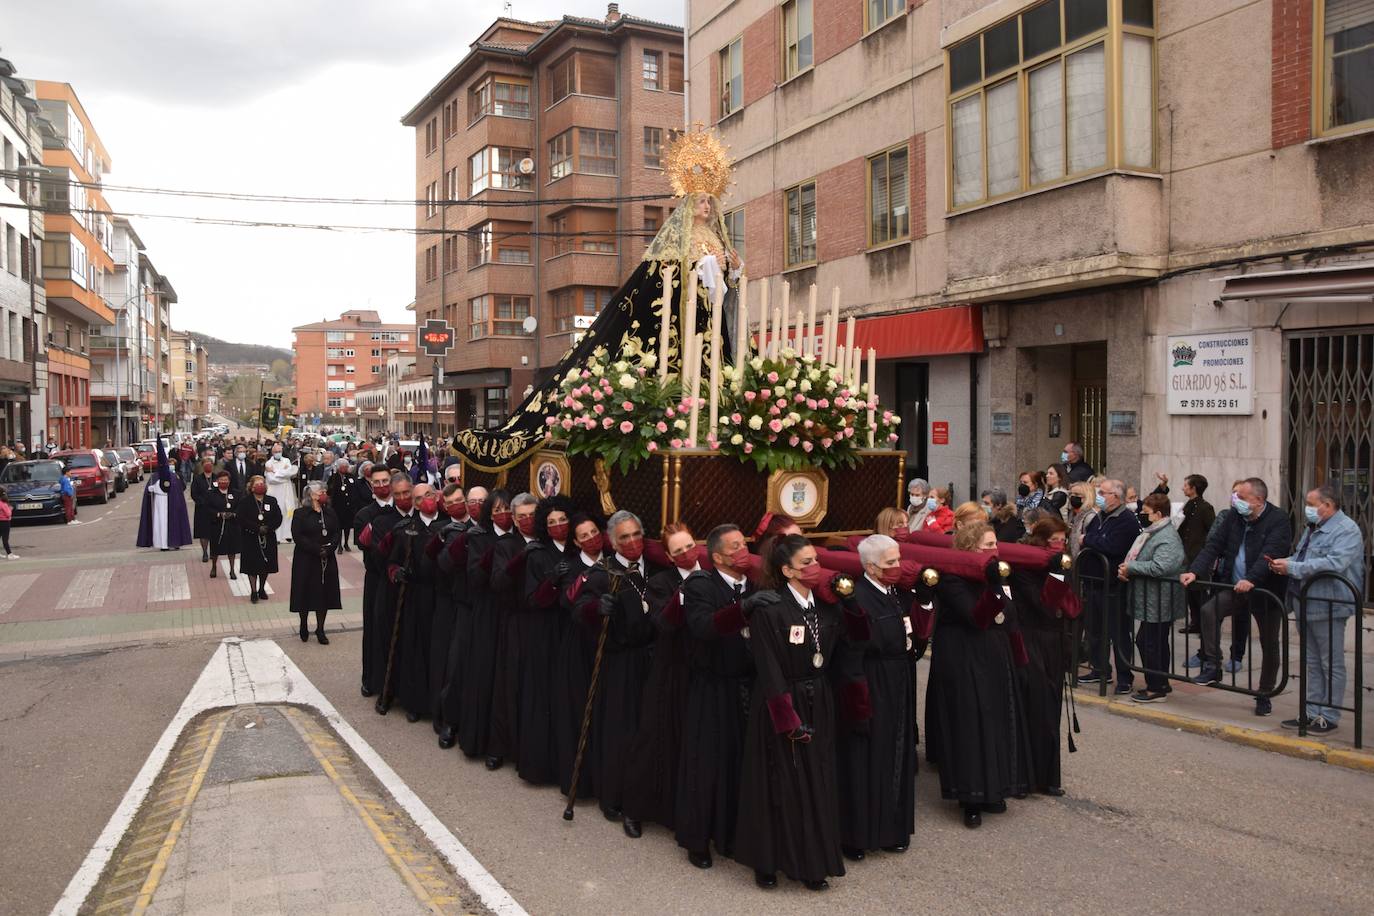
(596, 75)
(674, 72)
(1347, 14)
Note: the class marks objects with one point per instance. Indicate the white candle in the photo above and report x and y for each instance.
(763, 317)
(849, 337)
(716, 304)
(666, 325)
(694, 388)
(855, 361)
(742, 330)
(774, 347)
(841, 363)
(809, 339)
(834, 324)
(826, 336)
(872, 390)
(786, 318)
(687, 316)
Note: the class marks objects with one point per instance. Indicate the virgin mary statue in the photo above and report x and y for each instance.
(693, 241)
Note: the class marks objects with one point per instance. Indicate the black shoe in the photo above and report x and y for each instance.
(765, 879)
(305, 634)
(972, 819)
(233, 575)
(1122, 688)
(366, 690)
(321, 638)
(1053, 791)
(214, 572)
(412, 717)
(612, 814)
(382, 708)
(205, 558)
(821, 885)
(339, 549)
(995, 807)
(633, 828)
(900, 847)
(348, 549)
(1092, 677)
(494, 763)
(252, 597)
(1264, 706)
(262, 594)
(447, 738)
(1192, 629)
(852, 854)
(699, 859)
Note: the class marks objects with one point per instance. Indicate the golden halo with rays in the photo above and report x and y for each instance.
(697, 163)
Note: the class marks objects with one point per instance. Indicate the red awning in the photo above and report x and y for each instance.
(933, 332)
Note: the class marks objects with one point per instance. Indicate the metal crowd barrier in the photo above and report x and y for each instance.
(1307, 601)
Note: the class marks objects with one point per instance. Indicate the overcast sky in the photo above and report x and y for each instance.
(300, 97)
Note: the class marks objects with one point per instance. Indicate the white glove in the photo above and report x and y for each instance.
(708, 272)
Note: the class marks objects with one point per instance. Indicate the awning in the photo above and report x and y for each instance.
(477, 378)
(933, 332)
(1343, 283)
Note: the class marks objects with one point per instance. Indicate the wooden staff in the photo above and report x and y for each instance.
(591, 698)
(384, 701)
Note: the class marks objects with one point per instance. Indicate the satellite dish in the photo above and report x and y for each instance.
(526, 166)
(529, 324)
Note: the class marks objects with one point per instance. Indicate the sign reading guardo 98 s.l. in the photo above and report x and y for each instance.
(1211, 373)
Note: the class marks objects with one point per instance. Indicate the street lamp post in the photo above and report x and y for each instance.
(119, 397)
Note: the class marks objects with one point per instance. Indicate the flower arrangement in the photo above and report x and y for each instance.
(795, 411)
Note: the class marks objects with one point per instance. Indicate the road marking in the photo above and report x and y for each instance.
(168, 583)
(15, 586)
(87, 589)
(258, 671)
(237, 587)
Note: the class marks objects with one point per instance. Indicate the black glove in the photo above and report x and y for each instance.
(401, 574)
(560, 570)
(262, 530)
(606, 607)
(801, 734)
(752, 602)
(993, 573)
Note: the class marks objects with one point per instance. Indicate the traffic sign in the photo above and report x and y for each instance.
(436, 337)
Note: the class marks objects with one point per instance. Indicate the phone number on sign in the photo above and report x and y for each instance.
(1215, 403)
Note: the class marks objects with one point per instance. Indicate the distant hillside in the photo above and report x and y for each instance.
(223, 352)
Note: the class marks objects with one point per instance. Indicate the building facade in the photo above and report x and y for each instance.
(334, 358)
(190, 381)
(534, 122)
(1176, 277)
(23, 301)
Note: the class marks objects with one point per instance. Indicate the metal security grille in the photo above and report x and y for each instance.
(1090, 423)
(1330, 423)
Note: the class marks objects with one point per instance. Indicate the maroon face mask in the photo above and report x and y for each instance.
(457, 511)
(501, 519)
(593, 545)
(558, 531)
(632, 549)
(890, 575)
(381, 490)
(403, 503)
(525, 525)
(429, 505)
(223, 486)
(259, 489)
(686, 561)
(811, 576)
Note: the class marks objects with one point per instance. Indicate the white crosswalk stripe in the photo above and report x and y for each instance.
(13, 590)
(168, 583)
(238, 587)
(87, 589)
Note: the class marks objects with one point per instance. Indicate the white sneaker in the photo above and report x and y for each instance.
(75, 521)
(11, 556)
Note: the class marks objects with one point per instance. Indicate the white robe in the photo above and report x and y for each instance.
(159, 511)
(279, 473)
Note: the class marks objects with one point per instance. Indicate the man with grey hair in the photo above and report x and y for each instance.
(618, 588)
(1239, 549)
(916, 491)
(876, 750)
(1072, 459)
(1110, 535)
(1331, 543)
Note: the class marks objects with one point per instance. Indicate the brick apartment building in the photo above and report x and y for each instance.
(535, 114)
(1032, 204)
(335, 358)
(190, 380)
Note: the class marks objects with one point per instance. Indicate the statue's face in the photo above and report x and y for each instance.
(703, 208)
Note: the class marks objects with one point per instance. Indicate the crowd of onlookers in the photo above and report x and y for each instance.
(1149, 564)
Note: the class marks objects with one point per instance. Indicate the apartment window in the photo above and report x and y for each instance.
(651, 67)
(800, 224)
(1033, 89)
(583, 229)
(376, 370)
(653, 147)
(797, 52)
(349, 370)
(499, 242)
(333, 370)
(450, 254)
(334, 336)
(190, 366)
(674, 72)
(582, 73)
(334, 403)
(348, 352)
(451, 184)
(431, 135)
(574, 301)
(450, 118)
(560, 156)
(881, 11)
(730, 67)
(391, 336)
(653, 218)
(889, 214)
(431, 198)
(595, 151)
(1347, 63)
(432, 262)
(496, 315)
(376, 352)
(734, 228)
(497, 167)
(502, 96)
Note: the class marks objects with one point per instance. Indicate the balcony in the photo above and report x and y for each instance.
(164, 347)
(166, 378)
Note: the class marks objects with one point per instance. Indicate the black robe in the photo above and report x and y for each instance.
(259, 554)
(1042, 679)
(373, 524)
(789, 817)
(479, 674)
(877, 739)
(413, 600)
(624, 669)
(720, 678)
(507, 586)
(225, 537)
(203, 523)
(452, 624)
(314, 567)
(340, 498)
(572, 674)
(974, 714)
(536, 631)
(651, 785)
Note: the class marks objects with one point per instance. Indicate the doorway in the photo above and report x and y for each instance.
(913, 406)
(1089, 363)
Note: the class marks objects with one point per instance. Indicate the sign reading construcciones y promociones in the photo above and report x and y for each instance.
(1211, 373)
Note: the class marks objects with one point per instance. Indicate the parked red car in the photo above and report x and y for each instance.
(93, 479)
(147, 454)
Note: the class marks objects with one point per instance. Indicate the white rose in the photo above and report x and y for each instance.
(804, 387)
(627, 381)
(649, 360)
(794, 417)
(756, 422)
(679, 424)
(757, 363)
(790, 384)
(736, 439)
(621, 366)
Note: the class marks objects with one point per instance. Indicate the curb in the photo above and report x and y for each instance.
(1302, 748)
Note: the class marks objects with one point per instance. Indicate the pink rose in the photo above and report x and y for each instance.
(606, 423)
(799, 398)
(766, 393)
(568, 402)
(775, 425)
(597, 395)
(793, 440)
(782, 402)
(642, 371)
(892, 437)
(675, 443)
(749, 395)
(549, 421)
(807, 424)
(807, 446)
(671, 413)
(627, 406)
(773, 411)
(690, 443)
(567, 424)
(652, 446)
(773, 377)
(823, 403)
(586, 374)
(626, 427)
(811, 403)
(661, 426)
(589, 423)
(735, 418)
(748, 447)
(599, 408)
(827, 442)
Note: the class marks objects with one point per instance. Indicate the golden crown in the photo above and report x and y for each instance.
(697, 163)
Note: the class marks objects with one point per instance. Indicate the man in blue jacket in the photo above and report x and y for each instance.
(1254, 531)
(1111, 533)
(1331, 543)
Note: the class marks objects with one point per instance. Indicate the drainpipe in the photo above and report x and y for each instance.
(972, 424)
(686, 62)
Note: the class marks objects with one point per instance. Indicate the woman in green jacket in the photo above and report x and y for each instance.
(1156, 599)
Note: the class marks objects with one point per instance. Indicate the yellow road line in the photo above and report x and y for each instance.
(145, 894)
